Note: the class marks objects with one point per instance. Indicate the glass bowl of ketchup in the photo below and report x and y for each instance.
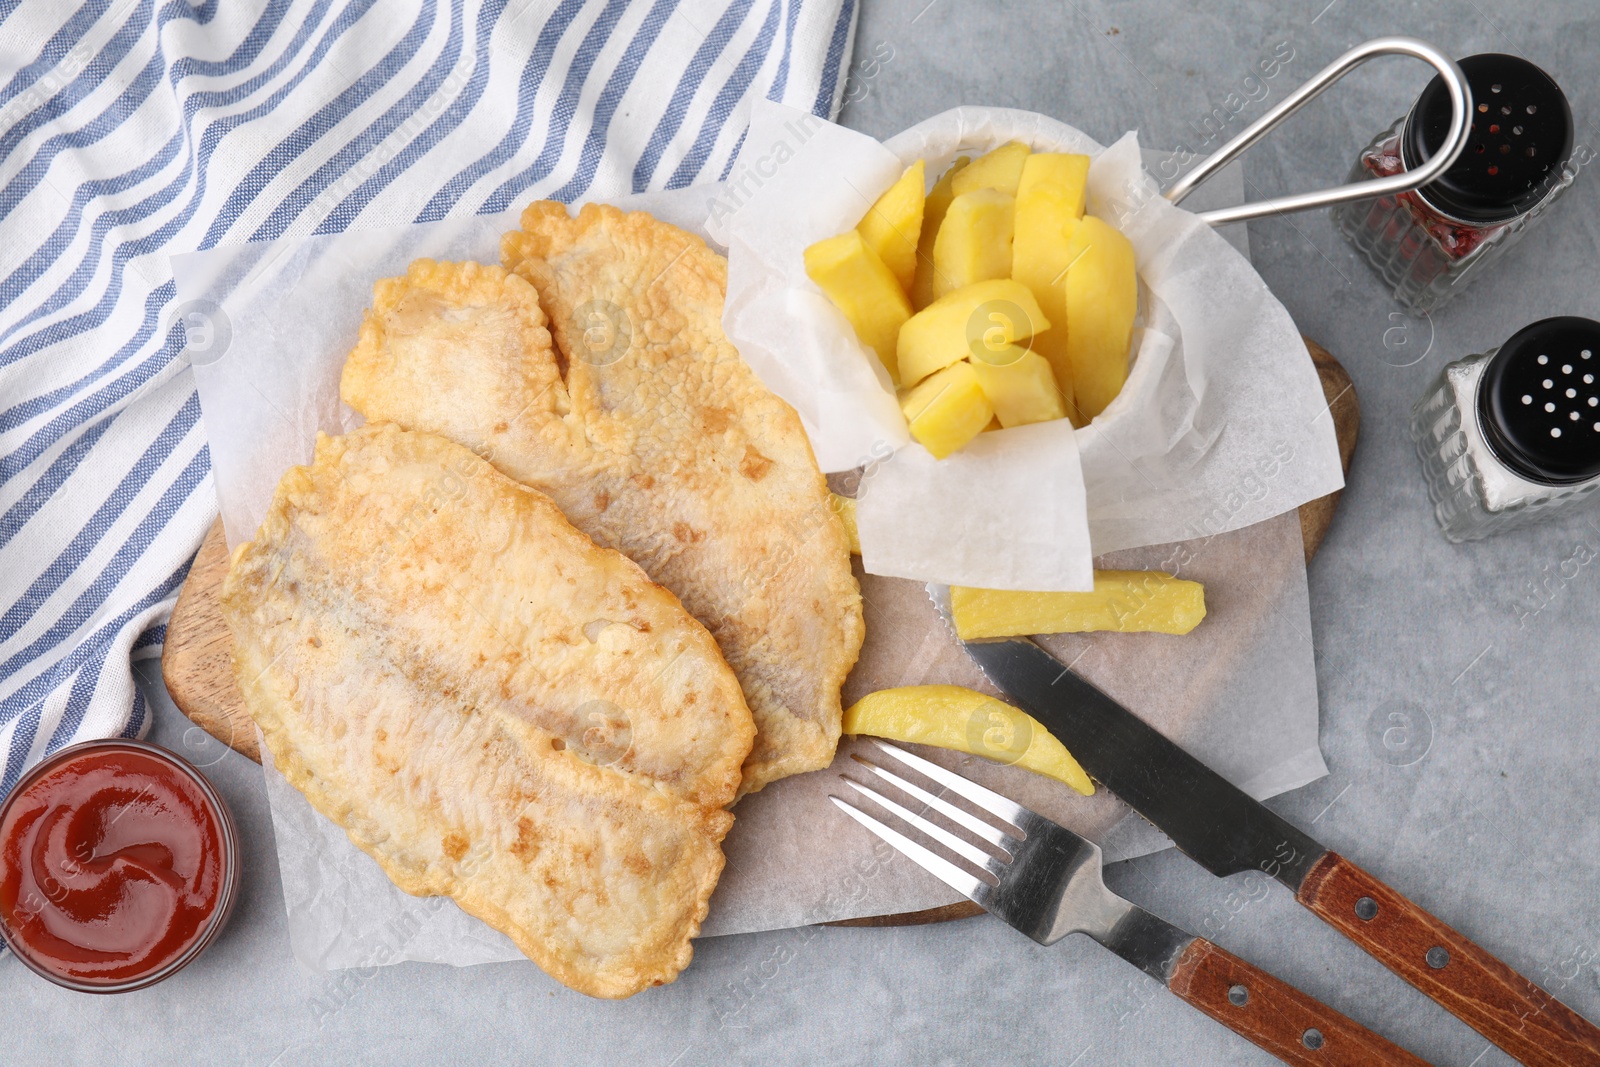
(119, 864)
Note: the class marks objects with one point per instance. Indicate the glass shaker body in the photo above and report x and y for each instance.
(1428, 243)
(1421, 253)
(1499, 446)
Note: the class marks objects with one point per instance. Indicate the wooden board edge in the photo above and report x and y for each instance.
(961, 909)
(197, 657)
(1345, 410)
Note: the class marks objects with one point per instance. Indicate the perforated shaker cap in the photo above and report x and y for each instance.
(1521, 136)
(1539, 401)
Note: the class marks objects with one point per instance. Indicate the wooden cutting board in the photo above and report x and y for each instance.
(197, 666)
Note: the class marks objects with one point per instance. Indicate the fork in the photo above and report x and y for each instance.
(1045, 881)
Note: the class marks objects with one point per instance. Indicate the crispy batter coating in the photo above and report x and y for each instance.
(651, 433)
(489, 704)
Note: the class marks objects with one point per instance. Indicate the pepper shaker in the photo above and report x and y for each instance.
(1427, 244)
(1508, 436)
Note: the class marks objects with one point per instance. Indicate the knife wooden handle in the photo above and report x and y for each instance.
(1478, 989)
(1294, 1027)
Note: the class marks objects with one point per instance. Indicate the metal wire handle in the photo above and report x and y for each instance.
(1460, 103)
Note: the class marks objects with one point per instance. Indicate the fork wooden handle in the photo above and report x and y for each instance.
(1477, 988)
(1294, 1027)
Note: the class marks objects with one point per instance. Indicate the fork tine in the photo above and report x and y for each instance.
(965, 849)
(987, 799)
(948, 873)
(989, 832)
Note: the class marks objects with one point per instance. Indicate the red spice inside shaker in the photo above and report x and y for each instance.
(1455, 239)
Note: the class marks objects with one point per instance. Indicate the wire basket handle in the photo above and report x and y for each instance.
(1461, 109)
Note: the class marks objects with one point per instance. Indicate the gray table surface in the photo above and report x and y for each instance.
(1486, 814)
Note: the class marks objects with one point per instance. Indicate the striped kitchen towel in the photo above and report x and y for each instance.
(131, 131)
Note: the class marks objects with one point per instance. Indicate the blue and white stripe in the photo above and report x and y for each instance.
(132, 130)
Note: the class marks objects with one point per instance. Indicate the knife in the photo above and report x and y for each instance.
(1227, 831)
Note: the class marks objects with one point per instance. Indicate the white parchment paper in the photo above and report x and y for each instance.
(270, 326)
(1219, 391)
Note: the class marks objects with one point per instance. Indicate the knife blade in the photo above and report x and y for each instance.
(1227, 831)
(1230, 832)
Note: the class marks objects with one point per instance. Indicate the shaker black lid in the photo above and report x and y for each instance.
(1521, 135)
(1539, 401)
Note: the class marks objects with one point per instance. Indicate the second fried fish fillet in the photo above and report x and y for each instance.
(490, 705)
(647, 428)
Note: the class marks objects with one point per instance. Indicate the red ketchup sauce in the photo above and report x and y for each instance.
(112, 864)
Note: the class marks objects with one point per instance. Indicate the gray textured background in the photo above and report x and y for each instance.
(1487, 649)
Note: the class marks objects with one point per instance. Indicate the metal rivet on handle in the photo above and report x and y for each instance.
(1437, 958)
(1366, 909)
(1238, 996)
(1312, 1038)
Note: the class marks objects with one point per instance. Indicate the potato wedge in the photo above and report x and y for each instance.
(933, 211)
(947, 409)
(999, 169)
(965, 720)
(1122, 601)
(1049, 204)
(1059, 179)
(892, 225)
(864, 289)
(984, 316)
(1020, 385)
(1102, 297)
(974, 241)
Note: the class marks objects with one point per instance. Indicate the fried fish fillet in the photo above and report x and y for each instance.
(647, 428)
(491, 706)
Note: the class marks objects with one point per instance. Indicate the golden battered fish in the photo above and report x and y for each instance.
(647, 428)
(490, 705)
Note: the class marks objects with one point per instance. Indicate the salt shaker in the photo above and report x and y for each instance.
(1509, 436)
(1428, 243)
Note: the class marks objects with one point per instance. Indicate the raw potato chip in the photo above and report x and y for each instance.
(490, 705)
(648, 430)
